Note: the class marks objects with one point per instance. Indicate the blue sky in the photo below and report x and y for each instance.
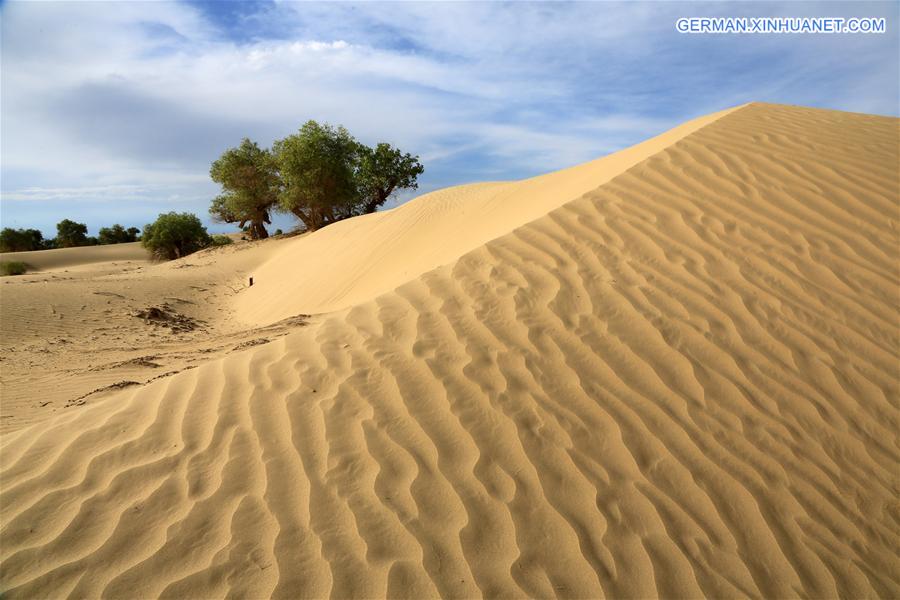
(113, 111)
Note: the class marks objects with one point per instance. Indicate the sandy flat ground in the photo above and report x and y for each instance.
(677, 376)
(73, 332)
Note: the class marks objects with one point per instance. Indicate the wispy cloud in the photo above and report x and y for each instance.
(104, 193)
(127, 103)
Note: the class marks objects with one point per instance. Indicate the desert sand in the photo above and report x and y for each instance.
(671, 372)
(80, 258)
(72, 332)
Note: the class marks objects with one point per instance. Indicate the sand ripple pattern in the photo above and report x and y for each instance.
(684, 384)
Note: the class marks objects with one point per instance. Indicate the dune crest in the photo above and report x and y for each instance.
(681, 384)
(355, 260)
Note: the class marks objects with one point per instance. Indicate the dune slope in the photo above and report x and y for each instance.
(682, 384)
(69, 258)
(357, 259)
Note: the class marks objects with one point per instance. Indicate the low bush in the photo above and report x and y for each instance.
(220, 240)
(12, 267)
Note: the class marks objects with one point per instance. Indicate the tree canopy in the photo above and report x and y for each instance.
(174, 235)
(317, 166)
(117, 234)
(20, 240)
(321, 174)
(383, 170)
(70, 234)
(250, 183)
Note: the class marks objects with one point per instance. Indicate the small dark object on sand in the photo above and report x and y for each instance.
(165, 316)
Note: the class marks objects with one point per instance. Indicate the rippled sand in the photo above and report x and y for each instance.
(680, 382)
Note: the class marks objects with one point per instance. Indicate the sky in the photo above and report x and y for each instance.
(111, 112)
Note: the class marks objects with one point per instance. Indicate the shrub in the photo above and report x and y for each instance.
(174, 235)
(220, 240)
(279, 232)
(12, 267)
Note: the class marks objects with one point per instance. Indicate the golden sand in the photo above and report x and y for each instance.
(671, 372)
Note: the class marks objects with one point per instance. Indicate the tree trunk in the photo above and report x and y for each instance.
(258, 231)
(308, 221)
(328, 215)
(380, 198)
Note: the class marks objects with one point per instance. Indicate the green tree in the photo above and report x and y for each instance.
(174, 235)
(383, 170)
(317, 166)
(117, 234)
(250, 183)
(69, 234)
(20, 240)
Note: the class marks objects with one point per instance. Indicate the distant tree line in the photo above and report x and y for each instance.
(172, 235)
(69, 234)
(321, 174)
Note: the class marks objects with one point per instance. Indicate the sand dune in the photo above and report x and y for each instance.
(682, 383)
(63, 258)
(355, 260)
